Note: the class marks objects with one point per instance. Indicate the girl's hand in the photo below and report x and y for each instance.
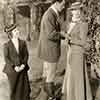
(22, 67)
(17, 68)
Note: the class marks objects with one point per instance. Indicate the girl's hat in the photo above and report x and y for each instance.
(10, 28)
(76, 5)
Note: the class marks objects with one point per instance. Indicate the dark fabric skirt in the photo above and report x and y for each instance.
(20, 87)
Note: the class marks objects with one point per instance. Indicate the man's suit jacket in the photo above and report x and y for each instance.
(50, 37)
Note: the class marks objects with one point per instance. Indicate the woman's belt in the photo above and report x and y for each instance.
(71, 43)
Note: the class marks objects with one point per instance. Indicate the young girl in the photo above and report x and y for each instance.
(16, 67)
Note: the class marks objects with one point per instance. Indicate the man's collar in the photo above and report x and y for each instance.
(55, 10)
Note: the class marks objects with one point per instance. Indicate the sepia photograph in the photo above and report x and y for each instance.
(49, 49)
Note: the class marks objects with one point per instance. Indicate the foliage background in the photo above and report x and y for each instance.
(92, 12)
(93, 17)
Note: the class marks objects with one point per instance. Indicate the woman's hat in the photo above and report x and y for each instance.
(9, 28)
(76, 5)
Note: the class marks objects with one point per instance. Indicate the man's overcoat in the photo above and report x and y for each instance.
(50, 37)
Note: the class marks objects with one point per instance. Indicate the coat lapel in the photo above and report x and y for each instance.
(20, 46)
(53, 12)
(13, 52)
(57, 19)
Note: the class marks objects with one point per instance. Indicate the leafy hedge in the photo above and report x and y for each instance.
(93, 17)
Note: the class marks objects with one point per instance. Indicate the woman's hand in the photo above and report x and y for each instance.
(87, 46)
(62, 33)
(68, 37)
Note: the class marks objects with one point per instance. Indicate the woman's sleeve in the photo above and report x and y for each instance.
(25, 53)
(84, 31)
(25, 56)
(6, 56)
(9, 66)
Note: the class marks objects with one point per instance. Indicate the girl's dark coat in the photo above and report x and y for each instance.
(19, 81)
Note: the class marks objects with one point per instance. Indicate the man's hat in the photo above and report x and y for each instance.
(9, 28)
(76, 5)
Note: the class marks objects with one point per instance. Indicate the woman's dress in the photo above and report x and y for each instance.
(76, 83)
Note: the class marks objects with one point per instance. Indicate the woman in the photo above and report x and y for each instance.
(16, 67)
(76, 83)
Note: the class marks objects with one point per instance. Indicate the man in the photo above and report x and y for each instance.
(49, 43)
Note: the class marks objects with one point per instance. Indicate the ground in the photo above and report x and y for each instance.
(34, 73)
